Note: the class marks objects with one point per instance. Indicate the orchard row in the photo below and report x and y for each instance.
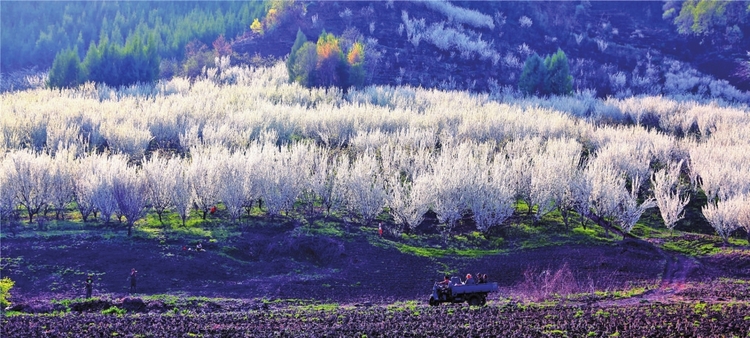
(245, 136)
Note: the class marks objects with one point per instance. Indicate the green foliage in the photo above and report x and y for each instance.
(306, 59)
(66, 71)
(114, 310)
(709, 17)
(557, 79)
(548, 76)
(33, 33)
(532, 78)
(5, 285)
(324, 63)
(290, 62)
(356, 60)
(137, 61)
(699, 16)
(197, 57)
(331, 65)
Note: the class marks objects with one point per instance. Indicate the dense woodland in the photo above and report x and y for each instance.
(691, 48)
(34, 32)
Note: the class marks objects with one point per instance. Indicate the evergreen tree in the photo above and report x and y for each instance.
(298, 42)
(92, 62)
(558, 80)
(305, 61)
(66, 71)
(532, 78)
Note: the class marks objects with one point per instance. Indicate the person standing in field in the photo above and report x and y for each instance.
(89, 284)
(380, 229)
(133, 276)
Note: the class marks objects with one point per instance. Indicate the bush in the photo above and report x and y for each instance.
(538, 285)
(114, 310)
(5, 285)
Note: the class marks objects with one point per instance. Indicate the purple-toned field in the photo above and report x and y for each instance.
(405, 320)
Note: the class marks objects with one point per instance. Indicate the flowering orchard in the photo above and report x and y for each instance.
(245, 137)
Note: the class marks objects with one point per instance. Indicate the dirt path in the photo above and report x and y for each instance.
(677, 268)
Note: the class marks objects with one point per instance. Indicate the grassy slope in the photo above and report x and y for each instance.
(330, 259)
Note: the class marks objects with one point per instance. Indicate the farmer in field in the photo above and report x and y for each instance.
(89, 284)
(469, 280)
(443, 289)
(133, 276)
(446, 280)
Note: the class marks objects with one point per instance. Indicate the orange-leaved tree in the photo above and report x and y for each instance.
(331, 66)
(356, 60)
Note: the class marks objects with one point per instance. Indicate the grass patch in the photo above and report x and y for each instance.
(410, 306)
(325, 307)
(114, 310)
(321, 227)
(702, 245)
(437, 252)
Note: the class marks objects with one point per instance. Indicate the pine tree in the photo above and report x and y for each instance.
(532, 78)
(305, 61)
(557, 80)
(66, 71)
(298, 42)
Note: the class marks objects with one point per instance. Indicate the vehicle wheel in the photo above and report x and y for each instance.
(433, 302)
(474, 300)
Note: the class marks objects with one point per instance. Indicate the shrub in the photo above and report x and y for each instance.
(462, 15)
(5, 285)
(541, 285)
(256, 27)
(114, 310)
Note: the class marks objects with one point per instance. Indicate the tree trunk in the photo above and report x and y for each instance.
(604, 224)
(204, 214)
(130, 229)
(564, 214)
(159, 214)
(748, 237)
(583, 221)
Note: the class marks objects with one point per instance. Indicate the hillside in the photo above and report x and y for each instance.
(404, 150)
(601, 38)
